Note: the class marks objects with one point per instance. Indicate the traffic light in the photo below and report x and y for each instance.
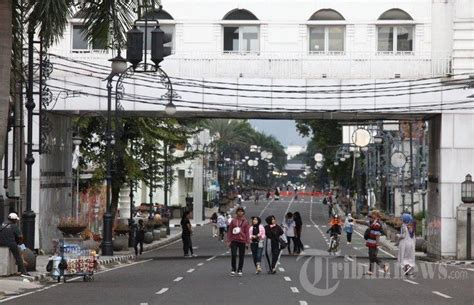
(158, 41)
(134, 46)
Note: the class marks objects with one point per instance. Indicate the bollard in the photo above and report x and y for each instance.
(468, 235)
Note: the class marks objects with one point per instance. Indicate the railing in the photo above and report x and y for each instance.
(335, 65)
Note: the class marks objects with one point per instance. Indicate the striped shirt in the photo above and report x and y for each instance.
(375, 232)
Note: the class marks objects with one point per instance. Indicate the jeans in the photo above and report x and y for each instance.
(349, 237)
(373, 252)
(187, 244)
(290, 239)
(233, 249)
(256, 253)
(19, 260)
(137, 242)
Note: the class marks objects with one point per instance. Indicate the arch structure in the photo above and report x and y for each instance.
(328, 34)
(395, 32)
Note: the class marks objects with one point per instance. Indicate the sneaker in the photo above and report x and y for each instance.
(239, 273)
(188, 256)
(25, 274)
(193, 255)
(259, 269)
(232, 273)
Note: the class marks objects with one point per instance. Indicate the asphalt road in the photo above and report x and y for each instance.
(164, 276)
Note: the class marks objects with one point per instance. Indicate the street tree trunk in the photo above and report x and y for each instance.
(5, 68)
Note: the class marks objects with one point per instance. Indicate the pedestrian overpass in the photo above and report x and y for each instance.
(446, 102)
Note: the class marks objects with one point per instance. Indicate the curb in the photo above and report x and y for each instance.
(119, 258)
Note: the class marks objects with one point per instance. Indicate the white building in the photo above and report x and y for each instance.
(241, 58)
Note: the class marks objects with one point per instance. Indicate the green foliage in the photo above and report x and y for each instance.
(138, 150)
(326, 136)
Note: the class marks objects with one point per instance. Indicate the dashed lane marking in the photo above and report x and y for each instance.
(308, 226)
(200, 264)
(163, 290)
(303, 303)
(281, 269)
(349, 258)
(178, 279)
(190, 270)
(294, 290)
(306, 246)
(442, 295)
(143, 303)
(211, 258)
(411, 282)
(287, 278)
(470, 269)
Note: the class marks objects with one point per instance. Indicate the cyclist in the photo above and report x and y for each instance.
(335, 229)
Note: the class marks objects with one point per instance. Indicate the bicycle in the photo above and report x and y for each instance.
(334, 243)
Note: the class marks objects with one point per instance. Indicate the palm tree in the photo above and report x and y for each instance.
(49, 18)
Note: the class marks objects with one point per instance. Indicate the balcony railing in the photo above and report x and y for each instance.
(336, 65)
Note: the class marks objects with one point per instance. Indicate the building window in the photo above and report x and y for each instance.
(328, 37)
(79, 41)
(397, 37)
(240, 38)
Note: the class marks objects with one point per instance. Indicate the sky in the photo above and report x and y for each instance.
(284, 130)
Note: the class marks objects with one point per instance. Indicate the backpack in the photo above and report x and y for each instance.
(367, 233)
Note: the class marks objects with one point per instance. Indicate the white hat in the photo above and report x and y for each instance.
(13, 216)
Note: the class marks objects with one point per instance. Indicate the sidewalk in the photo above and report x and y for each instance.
(15, 284)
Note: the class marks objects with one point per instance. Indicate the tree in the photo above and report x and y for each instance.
(137, 150)
(326, 136)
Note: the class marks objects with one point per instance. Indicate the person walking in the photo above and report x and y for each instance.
(238, 238)
(186, 233)
(257, 239)
(273, 232)
(298, 248)
(222, 225)
(10, 237)
(289, 229)
(214, 224)
(373, 236)
(139, 237)
(257, 197)
(330, 208)
(349, 228)
(407, 242)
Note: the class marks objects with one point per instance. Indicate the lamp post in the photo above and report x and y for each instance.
(77, 141)
(119, 65)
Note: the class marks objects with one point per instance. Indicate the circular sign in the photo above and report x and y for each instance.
(398, 159)
(361, 137)
(318, 157)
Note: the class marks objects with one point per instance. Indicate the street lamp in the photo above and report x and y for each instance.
(467, 190)
(77, 141)
(117, 67)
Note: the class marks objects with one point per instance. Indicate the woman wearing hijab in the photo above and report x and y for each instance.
(406, 252)
(257, 238)
(349, 227)
(273, 233)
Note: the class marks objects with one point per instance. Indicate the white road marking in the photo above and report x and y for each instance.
(303, 303)
(211, 258)
(178, 279)
(287, 278)
(442, 295)
(389, 254)
(190, 270)
(470, 269)
(281, 269)
(163, 290)
(308, 226)
(349, 258)
(143, 303)
(316, 226)
(323, 226)
(411, 282)
(306, 246)
(365, 265)
(200, 264)
(294, 290)
(261, 212)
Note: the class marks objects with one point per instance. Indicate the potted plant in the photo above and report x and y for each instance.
(71, 226)
(149, 227)
(121, 229)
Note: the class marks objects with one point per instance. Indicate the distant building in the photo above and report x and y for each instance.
(293, 150)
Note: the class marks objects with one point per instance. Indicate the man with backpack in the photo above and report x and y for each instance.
(372, 236)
